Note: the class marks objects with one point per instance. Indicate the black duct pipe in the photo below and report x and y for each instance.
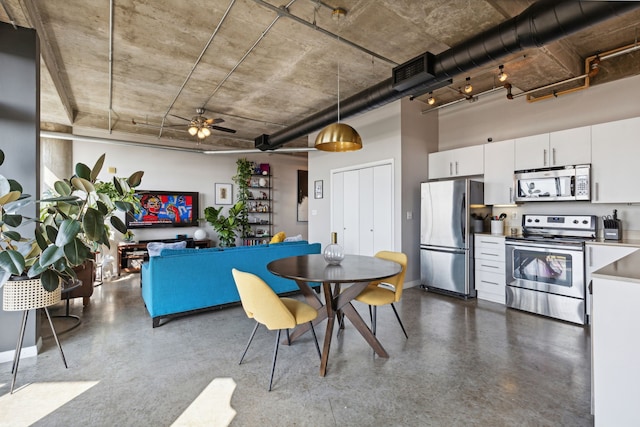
(541, 23)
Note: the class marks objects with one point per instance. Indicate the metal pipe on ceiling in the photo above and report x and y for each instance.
(539, 24)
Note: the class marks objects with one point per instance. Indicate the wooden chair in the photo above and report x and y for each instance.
(261, 303)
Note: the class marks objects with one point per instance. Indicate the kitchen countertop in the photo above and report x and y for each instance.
(623, 242)
(625, 269)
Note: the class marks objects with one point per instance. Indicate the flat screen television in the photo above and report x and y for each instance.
(164, 209)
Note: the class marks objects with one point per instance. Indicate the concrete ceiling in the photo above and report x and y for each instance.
(146, 61)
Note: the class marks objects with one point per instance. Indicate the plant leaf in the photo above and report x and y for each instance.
(62, 188)
(41, 240)
(118, 186)
(50, 280)
(82, 184)
(83, 171)
(12, 261)
(13, 235)
(97, 168)
(12, 220)
(69, 229)
(52, 233)
(135, 179)
(93, 223)
(76, 252)
(9, 197)
(50, 255)
(118, 224)
(102, 208)
(124, 206)
(1, 157)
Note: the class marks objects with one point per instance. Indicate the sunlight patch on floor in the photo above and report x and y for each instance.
(212, 407)
(31, 402)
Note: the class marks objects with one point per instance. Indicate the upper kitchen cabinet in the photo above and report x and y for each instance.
(562, 148)
(615, 150)
(498, 172)
(464, 161)
(570, 147)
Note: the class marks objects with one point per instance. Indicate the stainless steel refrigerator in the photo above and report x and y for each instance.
(446, 242)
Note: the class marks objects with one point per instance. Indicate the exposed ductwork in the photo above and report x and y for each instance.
(541, 23)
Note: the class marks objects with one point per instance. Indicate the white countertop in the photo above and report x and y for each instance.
(625, 269)
(623, 242)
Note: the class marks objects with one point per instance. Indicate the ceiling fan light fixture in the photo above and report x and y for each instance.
(338, 137)
(502, 76)
(468, 88)
(201, 134)
(193, 130)
(206, 131)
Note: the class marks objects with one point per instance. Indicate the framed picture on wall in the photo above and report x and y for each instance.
(317, 189)
(223, 194)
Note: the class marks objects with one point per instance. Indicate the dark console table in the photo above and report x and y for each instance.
(132, 255)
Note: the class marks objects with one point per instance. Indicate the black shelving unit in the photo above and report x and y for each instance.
(260, 210)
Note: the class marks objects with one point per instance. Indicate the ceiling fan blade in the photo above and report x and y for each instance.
(220, 128)
(213, 121)
(178, 117)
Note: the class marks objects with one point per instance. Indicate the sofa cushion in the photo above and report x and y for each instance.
(297, 238)
(278, 237)
(154, 248)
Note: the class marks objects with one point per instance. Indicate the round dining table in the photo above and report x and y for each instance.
(357, 270)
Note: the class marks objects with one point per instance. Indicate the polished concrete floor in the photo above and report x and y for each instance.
(466, 363)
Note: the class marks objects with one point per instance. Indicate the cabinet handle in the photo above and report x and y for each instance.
(590, 257)
(511, 194)
(597, 192)
(484, 253)
(457, 168)
(544, 157)
(450, 168)
(491, 283)
(553, 153)
(489, 266)
(489, 242)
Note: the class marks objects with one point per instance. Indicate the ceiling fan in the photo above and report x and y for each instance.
(201, 126)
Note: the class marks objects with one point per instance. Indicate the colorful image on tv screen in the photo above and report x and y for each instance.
(164, 208)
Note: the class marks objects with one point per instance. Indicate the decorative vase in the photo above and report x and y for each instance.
(200, 234)
(333, 253)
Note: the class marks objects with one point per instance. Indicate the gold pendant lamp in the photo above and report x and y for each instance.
(338, 137)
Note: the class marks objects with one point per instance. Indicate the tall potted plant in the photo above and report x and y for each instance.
(228, 226)
(242, 178)
(71, 225)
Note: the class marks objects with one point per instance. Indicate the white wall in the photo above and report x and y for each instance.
(494, 116)
(184, 171)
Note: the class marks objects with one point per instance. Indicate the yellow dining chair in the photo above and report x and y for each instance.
(379, 293)
(261, 303)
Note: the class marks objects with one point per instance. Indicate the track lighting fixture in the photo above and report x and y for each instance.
(502, 76)
(468, 88)
(431, 100)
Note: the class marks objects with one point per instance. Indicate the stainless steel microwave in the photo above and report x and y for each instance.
(558, 184)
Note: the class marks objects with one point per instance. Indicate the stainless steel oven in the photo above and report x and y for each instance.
(546, 266)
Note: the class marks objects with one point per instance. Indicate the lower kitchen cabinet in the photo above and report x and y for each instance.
(489, 257)
(599, 255)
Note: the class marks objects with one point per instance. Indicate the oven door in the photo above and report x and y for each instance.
(546, 268)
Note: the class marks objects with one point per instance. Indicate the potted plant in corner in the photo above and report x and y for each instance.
(228, 226)
(71, 226)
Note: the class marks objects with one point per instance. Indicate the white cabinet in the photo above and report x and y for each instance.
(464, 161)
(532, 152)
(562, 148)
(489, 257)
(570, 147)
(362, 209)
(615, 150)
(598, 256)
(498, 172)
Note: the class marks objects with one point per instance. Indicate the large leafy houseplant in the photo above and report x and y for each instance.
(244, 170)
(228, 226)
(71, 225)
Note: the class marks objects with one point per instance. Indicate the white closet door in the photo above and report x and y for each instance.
(367, 209)
(350, 238)
(383, 209)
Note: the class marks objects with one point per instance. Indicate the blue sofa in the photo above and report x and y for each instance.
(181, 281)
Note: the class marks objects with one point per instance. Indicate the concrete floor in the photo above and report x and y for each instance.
(466, 363)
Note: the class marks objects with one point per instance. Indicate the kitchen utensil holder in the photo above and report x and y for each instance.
(615, 232)
(497, 227)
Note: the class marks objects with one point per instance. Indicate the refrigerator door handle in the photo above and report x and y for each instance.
(463, 219)
(446, 251)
